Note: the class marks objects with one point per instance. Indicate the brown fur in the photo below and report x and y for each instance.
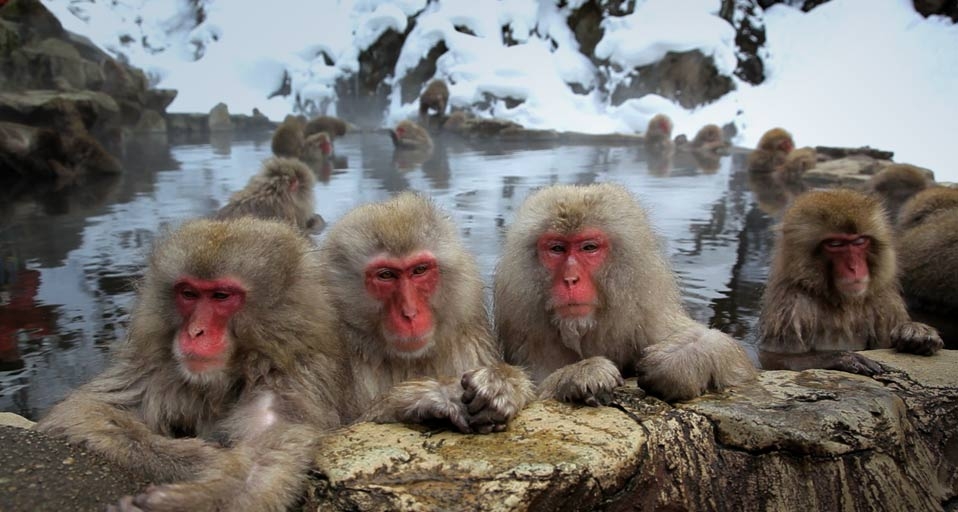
(435, 97)
(709, 138)
(928, 250)
(334, 126)
(313, 148)
(897, 183)
(283, 190)
(463, 357)
(797, 163)
(769, 156)
(251, 429)
(640, 323)
(409, 135)
(658, 135)
(288, 138)
(803, 312)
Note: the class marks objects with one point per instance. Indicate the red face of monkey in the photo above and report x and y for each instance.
(848, 256)
(203, 343)
(404, 287)
(572, 260)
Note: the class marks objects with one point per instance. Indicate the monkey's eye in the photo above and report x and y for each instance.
(862, 240)
(420, 269)
(556, 248)
(590, 246)
(835, 243)
(220, 295)
(386, 274)
(189, 294)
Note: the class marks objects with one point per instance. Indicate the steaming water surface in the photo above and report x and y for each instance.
(70, 256)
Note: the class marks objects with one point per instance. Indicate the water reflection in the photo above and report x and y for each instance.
(74, 253)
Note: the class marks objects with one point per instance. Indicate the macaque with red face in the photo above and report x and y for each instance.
(833, 288)
(773, 148)
(409, 298)
(317, 148)
(230, 373)
(583, 296)
(410, 136)
(659, 147)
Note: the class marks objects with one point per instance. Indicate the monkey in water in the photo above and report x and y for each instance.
(832, 288)
(283, 190)
(230, 372)
(409, 298)
(583, 295)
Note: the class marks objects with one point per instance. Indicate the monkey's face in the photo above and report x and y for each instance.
(847, 255)
(572, 261)
(203, 345)
(403, 286)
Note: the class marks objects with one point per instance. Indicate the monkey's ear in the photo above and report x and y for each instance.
(294, 185)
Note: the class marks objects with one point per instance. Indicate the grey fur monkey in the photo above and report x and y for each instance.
(582, 295)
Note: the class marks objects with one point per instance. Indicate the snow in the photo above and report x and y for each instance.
(847, 73)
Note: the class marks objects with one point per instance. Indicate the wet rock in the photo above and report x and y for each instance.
(688, 78)
(40, 474)
(942, 7)
(814, 440)
(851, 171)
(746, 17)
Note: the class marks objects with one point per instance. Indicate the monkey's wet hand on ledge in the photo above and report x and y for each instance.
(588, 382)
(852, 362)
(916, 338)
(494, 395)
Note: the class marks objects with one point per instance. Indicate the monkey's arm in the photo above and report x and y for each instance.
(845, 361)
(493, 395)
(589, 381)
(264, 467)
(417, 401)
(107, 425)
(691, 361)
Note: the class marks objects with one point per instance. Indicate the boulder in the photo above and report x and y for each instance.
(813, 440)
(687, 78)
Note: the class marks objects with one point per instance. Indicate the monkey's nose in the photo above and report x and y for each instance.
(571, 280)
(410, 313)
(196, 332)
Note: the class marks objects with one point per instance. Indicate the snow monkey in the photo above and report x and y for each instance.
(409, 299)
(283, 190)
(230, 371)
(583, 295)
(832, 288)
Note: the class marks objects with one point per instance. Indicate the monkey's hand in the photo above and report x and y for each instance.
(417, 401)
(916, 338)
(853, 362)
(494, 395)
(589, 381)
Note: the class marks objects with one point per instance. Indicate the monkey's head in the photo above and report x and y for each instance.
(777, 140)
(214, 288)
(392, 265)
(847, 239)
(288, 176)
(581, 254)
(709, 133)
(660, 126)
(318, 145)
(926, 203)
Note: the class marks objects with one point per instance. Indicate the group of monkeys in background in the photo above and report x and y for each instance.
(249, 340)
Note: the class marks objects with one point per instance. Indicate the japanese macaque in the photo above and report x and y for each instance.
(410, 303)
(583, 296)
(317, 148)
(230, 371)
(928, 250)
(283, 190)
(288, 138)
(896, 184)
(333, 126)
(709, 139)
(797, 162)
(409, 135)
(773, 148)
(659, 148)
(833, 289)
(434, 98)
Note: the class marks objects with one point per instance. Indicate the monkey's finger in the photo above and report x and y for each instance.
(488, 417)
(590, 400)
(468, 393)
(481, 402)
